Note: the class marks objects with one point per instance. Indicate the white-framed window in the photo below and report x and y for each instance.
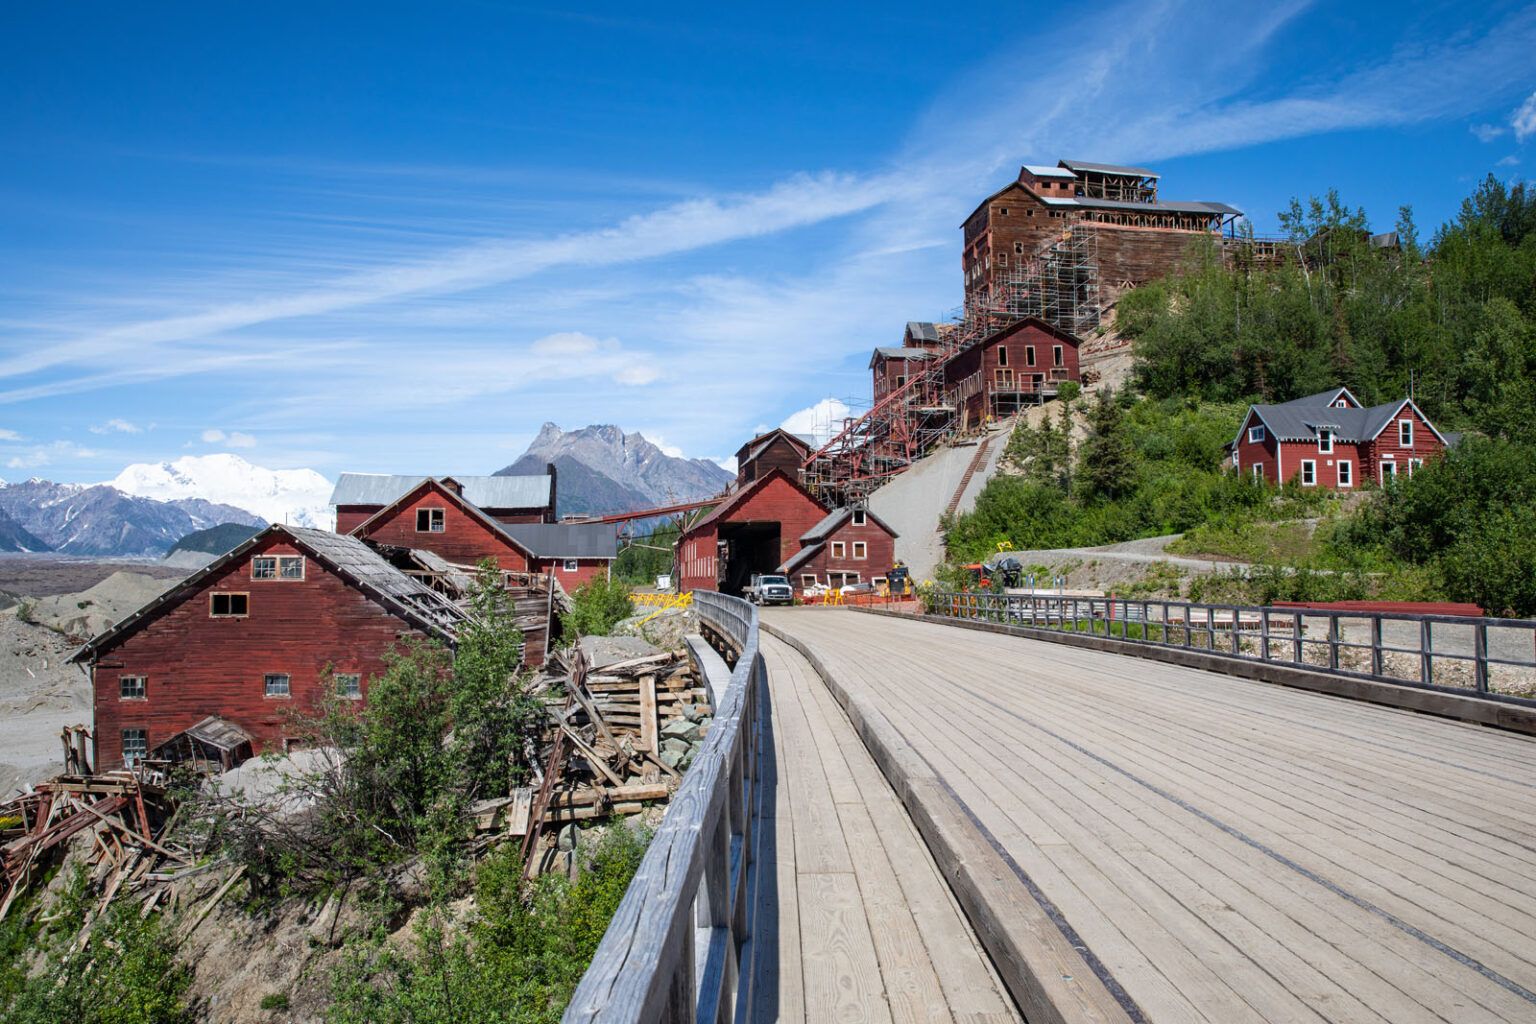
(135, 745)
(1388, 471)
(570, 565)
(277, 684)
(132, 687)
(430, 520)
(1056, 355)
(1405, 433)
(349, 684)
(277, 567)
(1029, 356)
(1346, 473)
(1309, 472)
(1256, 434)
(1325, 442)
(807, 579)
(1414, 465)
(879, 581)
(842, 579)
(1258, 471)
(229, 606)
(839, 549)
(860, 550)
(859, 517)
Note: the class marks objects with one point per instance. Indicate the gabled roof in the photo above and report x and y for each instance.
(890, 352)
(995, 195)
(828, 526)
(566, 540)
(724, 509)
(753, 448)
(468, 507)
(1302, 418)
(346, 556)
(922, 330)
(533, 491)
(1078, 166)
(800, 557)
(1031, 321)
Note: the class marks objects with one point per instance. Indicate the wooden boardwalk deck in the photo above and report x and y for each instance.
(856, 922)
(1227, 851)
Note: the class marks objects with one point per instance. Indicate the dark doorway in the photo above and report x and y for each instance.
(746, 548)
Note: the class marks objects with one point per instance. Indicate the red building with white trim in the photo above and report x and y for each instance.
(268, 629)
(755, 529)
(1330, 440)
(851, 545)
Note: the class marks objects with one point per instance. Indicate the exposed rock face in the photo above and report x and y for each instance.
(603, 469)
(75, 519)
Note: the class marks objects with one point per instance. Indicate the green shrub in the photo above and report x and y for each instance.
(599, 605)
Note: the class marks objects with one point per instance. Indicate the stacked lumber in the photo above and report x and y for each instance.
(126, 817)
(620, 739)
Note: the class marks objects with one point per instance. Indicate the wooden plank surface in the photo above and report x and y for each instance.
(863, 926)
(1229, 850)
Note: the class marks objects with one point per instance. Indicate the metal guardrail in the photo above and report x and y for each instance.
(680, 946)
(1489, 658)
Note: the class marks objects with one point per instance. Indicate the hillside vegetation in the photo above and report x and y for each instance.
(1454, 321)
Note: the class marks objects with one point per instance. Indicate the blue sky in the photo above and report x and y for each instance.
(399, 237)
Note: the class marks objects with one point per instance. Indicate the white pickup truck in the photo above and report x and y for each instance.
(769, 590)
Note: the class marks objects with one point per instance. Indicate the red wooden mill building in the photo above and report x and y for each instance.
(217, 665)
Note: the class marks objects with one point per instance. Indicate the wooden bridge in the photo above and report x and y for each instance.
(907, 820)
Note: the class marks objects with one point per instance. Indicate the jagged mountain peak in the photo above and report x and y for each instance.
(618, 471)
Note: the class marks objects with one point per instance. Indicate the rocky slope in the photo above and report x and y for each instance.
(603, 469)
(75, 519)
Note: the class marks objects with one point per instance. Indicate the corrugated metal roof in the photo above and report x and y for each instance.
(902, 352)
(923, 330)
(1041, 171)
(1083, 165)
(828, 525)
(566, 540)
(485, 491)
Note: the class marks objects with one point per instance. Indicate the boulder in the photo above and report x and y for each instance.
(681, 728)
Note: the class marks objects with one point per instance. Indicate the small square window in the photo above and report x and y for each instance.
(571, 565)
(429, 520)
(1003, 210)
(291, 567)
(859, 517)
(264, 567)
(135, 745)
(349, 684)
(860, 549)
(1018, 248)
(839, 549)
(807, 579)
(277, 685)
(229, 606)
(1256, 435)
(132, 687)
(1308, 473)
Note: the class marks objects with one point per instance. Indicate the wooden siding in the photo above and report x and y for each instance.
(465, 540)
(880, 554)
(198, 666)
(586, 569)
(777, 500)
(1281, 462)
(1019, 341)
(781, 453)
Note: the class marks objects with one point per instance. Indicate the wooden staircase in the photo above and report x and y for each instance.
(977, 461)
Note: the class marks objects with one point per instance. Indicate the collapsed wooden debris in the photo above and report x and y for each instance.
(621, 737)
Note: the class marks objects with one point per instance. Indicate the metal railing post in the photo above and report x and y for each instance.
(1264, 633)
(1376, 656)
(1333, 642)
(1480, 653)
(1236, 640)
(1296, 657)
(1426, 653)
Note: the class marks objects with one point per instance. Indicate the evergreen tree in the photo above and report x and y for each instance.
(1106, 465)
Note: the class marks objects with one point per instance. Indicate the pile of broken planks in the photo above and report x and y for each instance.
(620, 739)
(126, 817)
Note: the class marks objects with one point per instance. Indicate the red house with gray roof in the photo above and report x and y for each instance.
(218, 664)
(506, 499)
(755, 529)
(851, 545)
(1330, 440)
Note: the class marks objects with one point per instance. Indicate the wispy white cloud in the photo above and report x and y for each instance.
(1524, 119)
(1487, 132)
(232, 439)
(44, 455)
(116, 426)
(9, 435)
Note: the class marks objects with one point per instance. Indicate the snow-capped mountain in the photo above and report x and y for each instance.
(74, 519)
(298, 497)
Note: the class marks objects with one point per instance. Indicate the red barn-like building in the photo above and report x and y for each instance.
(851, 545)
(266, 630)
(433, 515)
(756, 529)
(1330, 440)
(506, 499)
(1020, 365)
(777, 449)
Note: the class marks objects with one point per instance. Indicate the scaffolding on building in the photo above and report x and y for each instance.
(1058, 283)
